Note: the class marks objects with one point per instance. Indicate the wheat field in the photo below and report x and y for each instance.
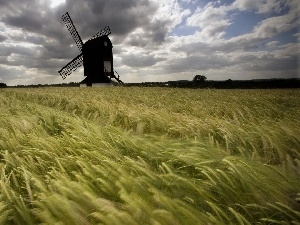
(129, 155)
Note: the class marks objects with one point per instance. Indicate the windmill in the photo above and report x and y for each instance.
(95, 56)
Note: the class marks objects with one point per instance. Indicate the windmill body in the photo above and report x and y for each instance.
(98, 60)
(96, 57)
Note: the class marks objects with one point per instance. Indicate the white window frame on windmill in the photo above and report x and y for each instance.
(107, 66)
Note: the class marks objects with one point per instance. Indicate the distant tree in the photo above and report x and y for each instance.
(3, 85)
(199, 79)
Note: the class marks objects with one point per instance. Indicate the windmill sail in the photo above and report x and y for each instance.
(104, 31)
(69, 23)
(71, 66)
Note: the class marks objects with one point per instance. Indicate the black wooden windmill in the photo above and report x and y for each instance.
(95, 55)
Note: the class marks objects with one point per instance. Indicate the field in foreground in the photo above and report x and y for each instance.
(121, 155)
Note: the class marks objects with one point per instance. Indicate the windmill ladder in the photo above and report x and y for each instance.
(112, 76)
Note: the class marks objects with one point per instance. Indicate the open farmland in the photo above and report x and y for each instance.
(120, 155)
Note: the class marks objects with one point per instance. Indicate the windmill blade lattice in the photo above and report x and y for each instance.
(71, 66)
(104, 31)
(69, 23)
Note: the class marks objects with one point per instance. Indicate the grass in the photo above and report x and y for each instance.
(121, 155)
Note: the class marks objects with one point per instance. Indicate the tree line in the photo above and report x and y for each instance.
(71, 84)
(3, 85)
(199, 81)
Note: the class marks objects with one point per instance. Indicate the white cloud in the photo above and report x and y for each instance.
(275, 25)
(207, 15)
(55, 3)
(211, 20)
(259, 6)
(268, 28)
(297, 35)
(272, 44)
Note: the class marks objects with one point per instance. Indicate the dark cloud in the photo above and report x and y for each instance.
(195, 63)
(204, 48)
(2, 38)
(140, 61)
(138, 40)
(25, 15)
(122, 16)
(9, 73)
(27, 21)
(255, 61)
(158, 31)
(273, 64)
(42, 27)
(17, 50)
(150, 36)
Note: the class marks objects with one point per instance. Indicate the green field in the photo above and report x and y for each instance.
(128, 155)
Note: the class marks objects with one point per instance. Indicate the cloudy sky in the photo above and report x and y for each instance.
(154, 40)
